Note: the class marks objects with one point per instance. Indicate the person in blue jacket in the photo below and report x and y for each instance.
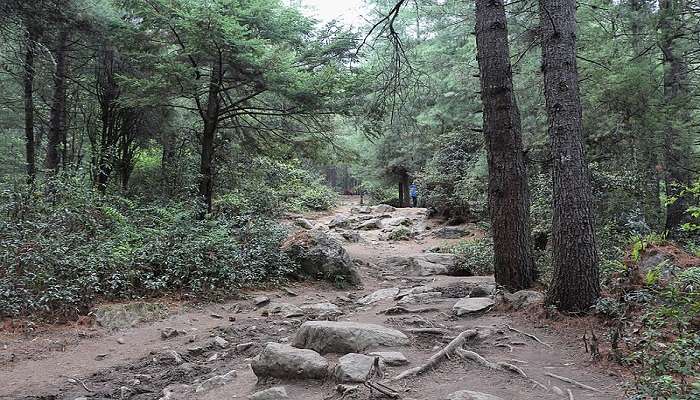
(413, 191)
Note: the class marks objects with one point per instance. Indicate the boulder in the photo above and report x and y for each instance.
(319, 255)
(383, 208)
(275, 393)
(523, 298)
(352, 237)
(341, 221)
(356, 368)
(414, 290)
(261, 300)
(286, 310)
(322, 311)
(379, 295)
(286, 362)
(391, 358)
(472, 305)
(346, 337)
(482, 290)
(398, 221)
(177, 391)
(470, 395)
(119, 316)
(304, 223)
(450, 232)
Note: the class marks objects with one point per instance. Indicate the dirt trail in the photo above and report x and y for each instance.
(135, 363)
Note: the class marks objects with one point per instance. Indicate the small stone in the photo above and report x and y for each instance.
(244, 346)
(213, 357)
(195, 351)
(261, 300)
(391, 358)
(216, 316)
(216, 381)
(220, 342)
(379, 295)
(304, 223)
(558, 391)
(356, 368)
(275, 393)
(168, 333)
(170, 357)
(286, 362)
(231, 319)
(101, 356)
(121, 341)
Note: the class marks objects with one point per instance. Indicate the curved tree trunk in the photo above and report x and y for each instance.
(575, 285)
(509, 197)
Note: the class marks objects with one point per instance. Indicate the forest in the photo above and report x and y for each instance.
(203, 152)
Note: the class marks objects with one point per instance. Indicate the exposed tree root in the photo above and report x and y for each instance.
(403, 310)
(438, 357)
(428, 331)
(507, 346)
(571, 395)
(383, 389)
(499, 366)
(573, 382)
(531, 336)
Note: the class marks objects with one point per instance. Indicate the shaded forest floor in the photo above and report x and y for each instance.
(136, 362)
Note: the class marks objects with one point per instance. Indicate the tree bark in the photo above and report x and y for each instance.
(508, 192)
(211, 125)
(675, 93)
(29, 71)
(575, 286)
(58, 105)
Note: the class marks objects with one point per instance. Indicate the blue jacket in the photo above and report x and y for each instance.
(413, 190)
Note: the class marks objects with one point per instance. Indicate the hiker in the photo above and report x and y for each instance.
(414, 194)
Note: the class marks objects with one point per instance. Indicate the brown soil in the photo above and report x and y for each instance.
(69, 362)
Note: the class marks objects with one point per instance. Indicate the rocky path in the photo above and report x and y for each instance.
(313, 341)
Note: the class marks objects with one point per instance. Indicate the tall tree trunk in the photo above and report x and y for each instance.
(58, 105)
(509, 197)
(29, 143)
(401, 192)
(675, 93)
(211, 125)
(575, 286)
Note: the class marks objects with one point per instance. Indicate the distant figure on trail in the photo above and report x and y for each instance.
(413, 189)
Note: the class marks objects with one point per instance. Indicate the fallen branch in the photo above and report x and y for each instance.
(573, 382)
(383, 389)
(436, 358)
(531, 336)
(509, 347)
(571, 395)
(78, 380)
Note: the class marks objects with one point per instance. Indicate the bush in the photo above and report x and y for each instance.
(61, 255)
(475, 257)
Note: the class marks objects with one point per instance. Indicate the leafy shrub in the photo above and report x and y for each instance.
(400, 233)
(60, 255)
(475, 257)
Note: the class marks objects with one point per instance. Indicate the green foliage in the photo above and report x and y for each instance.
(59, 256)
(400, 233)
(668, 355)
(475, 257)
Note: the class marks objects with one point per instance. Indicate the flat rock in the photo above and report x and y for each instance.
(286, 362)
(391, 358)
(319, 255)
(274, 393)
(379, 295)
(220, 342)
(346, 337)
(356, 368)
(482, 290)
(370, 225)
(470, 395)
(322, 311)
(471, 305)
